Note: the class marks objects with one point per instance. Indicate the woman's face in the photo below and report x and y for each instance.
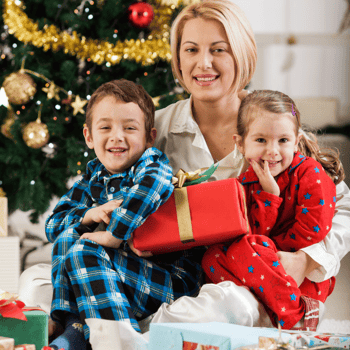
(206, 59)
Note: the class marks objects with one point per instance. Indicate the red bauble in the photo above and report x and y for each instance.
(140, 14)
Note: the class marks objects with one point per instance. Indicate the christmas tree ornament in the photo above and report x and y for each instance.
(52, 91)
(4, 101)
(78, 105)
(36, 134)
(50, 150)
(19, 87)
(8, 122)
(140, 14)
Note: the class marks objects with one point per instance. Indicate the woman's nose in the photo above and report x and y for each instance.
(205, 60)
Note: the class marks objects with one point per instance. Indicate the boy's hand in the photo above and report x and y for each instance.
(103, 238)
(267, 182)
(136, 251)
(101, 213)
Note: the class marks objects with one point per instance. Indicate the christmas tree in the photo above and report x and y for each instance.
(54, 54)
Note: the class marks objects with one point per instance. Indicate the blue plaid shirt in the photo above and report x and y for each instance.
(143, 188)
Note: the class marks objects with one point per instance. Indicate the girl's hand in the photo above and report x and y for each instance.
(101, 213)
(267, 181)
(136, 251)
(103, 238)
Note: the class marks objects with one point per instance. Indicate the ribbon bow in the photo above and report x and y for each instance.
(12, 308)
(183, 179)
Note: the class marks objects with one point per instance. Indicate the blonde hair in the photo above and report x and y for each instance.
(279, 103)
(238, 31)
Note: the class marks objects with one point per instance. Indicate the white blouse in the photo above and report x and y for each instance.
(179, 137)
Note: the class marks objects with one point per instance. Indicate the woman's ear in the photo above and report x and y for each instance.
(239, 142)
(88, 137)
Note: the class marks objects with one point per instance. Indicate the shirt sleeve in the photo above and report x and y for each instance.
(152, 187)
(70, 210)
(336, 245)
(314, 209)
(263, 212)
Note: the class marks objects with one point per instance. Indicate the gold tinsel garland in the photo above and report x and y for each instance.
(144, 51)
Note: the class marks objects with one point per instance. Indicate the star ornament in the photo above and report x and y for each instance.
(78, 105)
(52, 91)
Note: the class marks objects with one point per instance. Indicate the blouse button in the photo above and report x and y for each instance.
(112, 189)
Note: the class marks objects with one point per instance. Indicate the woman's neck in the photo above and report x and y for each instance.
(216, 114)
(218, 123)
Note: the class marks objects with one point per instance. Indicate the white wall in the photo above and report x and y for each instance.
(318, 65)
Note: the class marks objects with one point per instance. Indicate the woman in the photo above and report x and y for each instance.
(214, 58)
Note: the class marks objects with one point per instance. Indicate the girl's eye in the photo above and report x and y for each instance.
(260, 140)
(284, 140)
(130, 128)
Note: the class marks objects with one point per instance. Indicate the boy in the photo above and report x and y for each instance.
(127, 182)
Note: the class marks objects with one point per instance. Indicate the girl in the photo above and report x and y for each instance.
(290, 189)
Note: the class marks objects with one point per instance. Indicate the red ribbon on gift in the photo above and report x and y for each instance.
(12, 308)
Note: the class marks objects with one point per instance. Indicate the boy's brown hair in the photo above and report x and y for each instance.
(125, 91)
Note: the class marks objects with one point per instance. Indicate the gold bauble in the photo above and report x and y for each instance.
(8, 122)
(19, 87)
(36, 134)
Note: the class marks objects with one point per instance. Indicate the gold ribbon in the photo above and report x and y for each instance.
(181, 177)
(183, 215)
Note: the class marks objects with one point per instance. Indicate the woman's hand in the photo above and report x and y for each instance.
(103, 238)
(297, 265)
(136, 251)
(101, 213)
(267, 181)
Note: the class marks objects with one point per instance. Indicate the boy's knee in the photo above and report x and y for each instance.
(83, 252)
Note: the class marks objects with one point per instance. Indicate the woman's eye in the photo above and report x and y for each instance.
(190, 50)
(219, 50)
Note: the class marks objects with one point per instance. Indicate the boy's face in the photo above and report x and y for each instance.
(118, 133)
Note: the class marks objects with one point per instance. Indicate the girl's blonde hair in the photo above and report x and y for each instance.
(279, 103)
(238, 31)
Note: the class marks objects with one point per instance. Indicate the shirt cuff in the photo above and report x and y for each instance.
(327, 261)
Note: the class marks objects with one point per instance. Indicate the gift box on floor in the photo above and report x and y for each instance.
(7, 343)
(25, 347)
(32, 331)
(220, 336)
(224, 336)
(201, 214)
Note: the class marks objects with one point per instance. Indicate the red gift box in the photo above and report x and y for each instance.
(196, 215)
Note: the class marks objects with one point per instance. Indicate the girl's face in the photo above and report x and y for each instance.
(271, 137)
(206, 60)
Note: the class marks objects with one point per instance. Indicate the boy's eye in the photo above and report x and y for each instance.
(104, 127)
(130, 128)
(260, 140)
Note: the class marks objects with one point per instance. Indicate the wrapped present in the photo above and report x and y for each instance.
(200, 214)
(213, 335)
(25, 347)
(7, 343)
(26, 325)
(3, 213)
